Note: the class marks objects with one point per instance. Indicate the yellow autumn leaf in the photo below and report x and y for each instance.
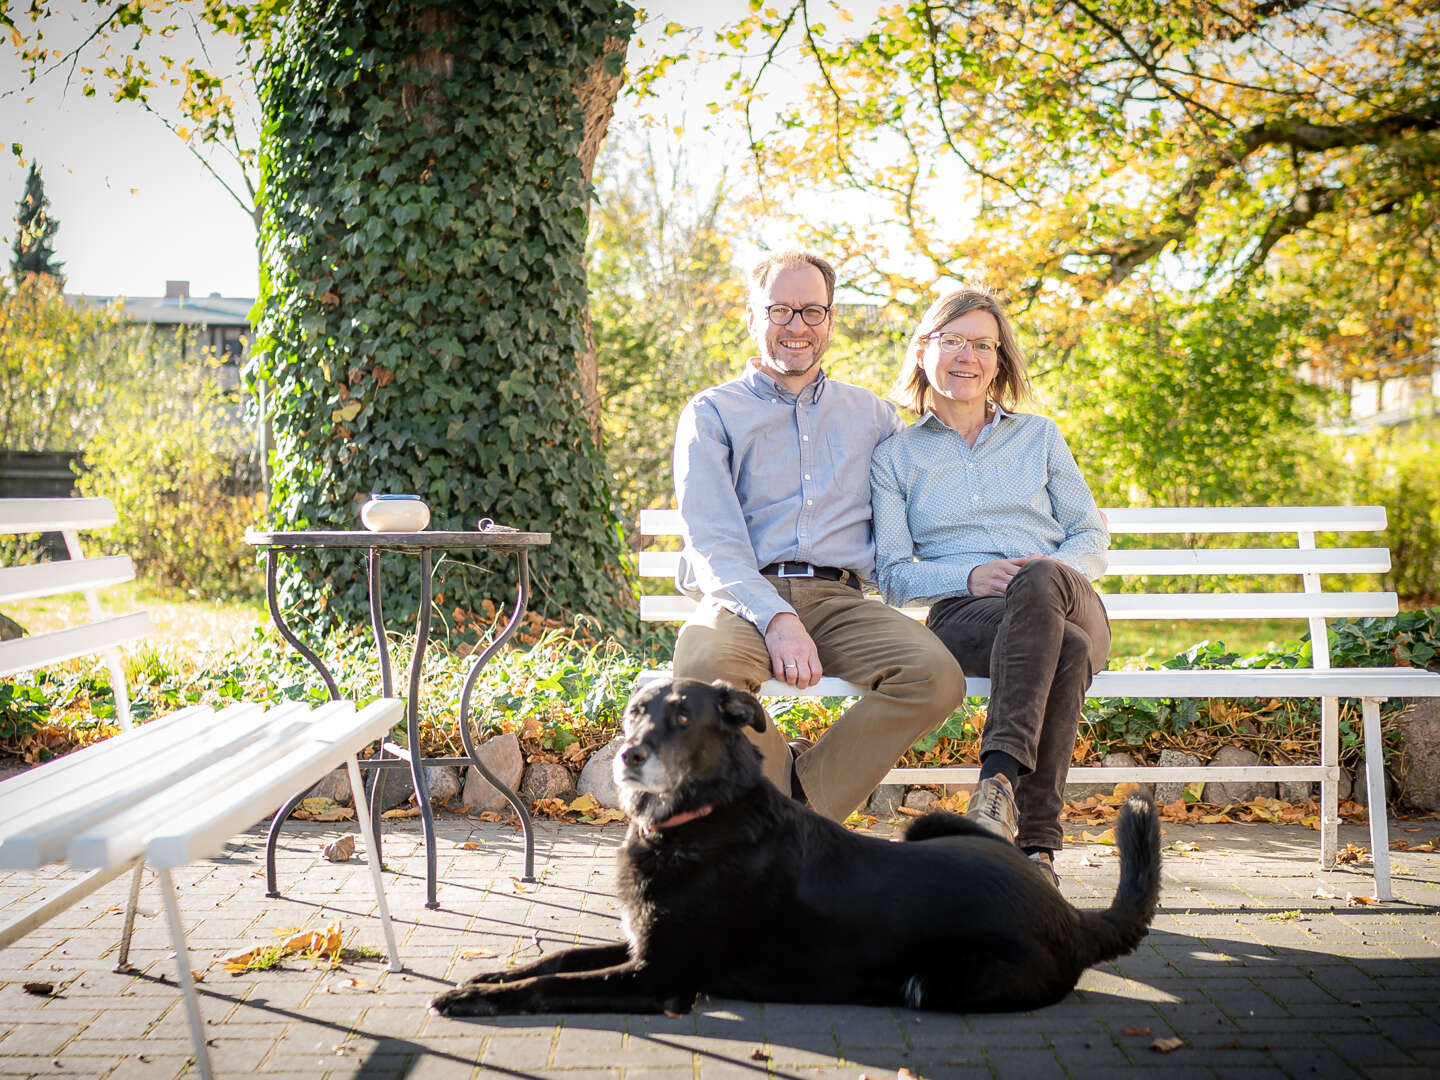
(347, 412)
(585, 804)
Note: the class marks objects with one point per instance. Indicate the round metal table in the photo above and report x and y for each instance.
(493, 538)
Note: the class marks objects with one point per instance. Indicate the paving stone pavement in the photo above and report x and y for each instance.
(1256, 974)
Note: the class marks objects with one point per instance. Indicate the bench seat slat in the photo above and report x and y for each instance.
(55, 578)
(1136, 562)
(343, 735)
(40, 650)
(106, 777)
(1165, 683)
(20, 516)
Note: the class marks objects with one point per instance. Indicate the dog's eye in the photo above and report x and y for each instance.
(682, 718)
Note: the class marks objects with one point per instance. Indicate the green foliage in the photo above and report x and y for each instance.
(666, 305)
(1399, 470)
(23, 709)
(1170, 403)
(175, 460)
(59, 365)
(422, 288)
(1411, 638)
(33, 251)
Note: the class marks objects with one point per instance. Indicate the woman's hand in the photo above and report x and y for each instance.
(993, 578)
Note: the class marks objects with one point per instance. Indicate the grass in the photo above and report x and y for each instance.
(1153, 642)
(185, 624)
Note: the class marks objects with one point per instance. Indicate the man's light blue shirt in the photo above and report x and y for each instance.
(943, 507)
(764, 476)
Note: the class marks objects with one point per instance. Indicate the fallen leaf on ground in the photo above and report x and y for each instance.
(1167, 1044)
(339, 850)
(1352, 853)
(469, 845)
(38, 988)
(1106, 837)
(1358, 901)
(317, 945)
(759, 1055)
(1322, 893)
(476, 954)
(904, 1074)
(402, 812)
(1136, 1031)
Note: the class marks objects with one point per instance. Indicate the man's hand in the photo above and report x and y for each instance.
(993, 578)
(793, 657)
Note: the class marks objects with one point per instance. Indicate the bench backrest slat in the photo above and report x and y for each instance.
(1168, 519)
(19, 516)
(57, 646)
(69, 517)
(1140, 562)
(55, 578)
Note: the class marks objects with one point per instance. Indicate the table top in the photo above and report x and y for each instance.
(494, 540)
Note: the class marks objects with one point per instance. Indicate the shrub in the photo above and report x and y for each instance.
(173, 457)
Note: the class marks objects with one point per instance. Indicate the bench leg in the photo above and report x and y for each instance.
(182, 972)
(128, 928)
(1375, 789)
(1329, 789)
(372, 856)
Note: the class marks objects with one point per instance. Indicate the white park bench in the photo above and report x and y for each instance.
(1304, 564)
(169, 792)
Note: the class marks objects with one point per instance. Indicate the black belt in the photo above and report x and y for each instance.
(806, 570)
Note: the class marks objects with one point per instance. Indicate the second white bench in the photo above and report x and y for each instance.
(1301, 563)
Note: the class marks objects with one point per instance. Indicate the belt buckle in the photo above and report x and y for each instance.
(808, 572)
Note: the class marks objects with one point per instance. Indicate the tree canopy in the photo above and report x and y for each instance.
(1068, 149)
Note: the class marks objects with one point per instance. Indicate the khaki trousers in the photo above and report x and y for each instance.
(912, 684)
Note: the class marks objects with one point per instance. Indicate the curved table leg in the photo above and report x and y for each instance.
(387, 689)
(412, 728)
(522, 598)
(272, 558)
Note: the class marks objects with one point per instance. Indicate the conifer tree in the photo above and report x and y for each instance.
(33, 252)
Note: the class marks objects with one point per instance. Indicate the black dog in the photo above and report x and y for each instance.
(734, 890)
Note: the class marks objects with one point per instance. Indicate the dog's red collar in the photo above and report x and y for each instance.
(676, 820)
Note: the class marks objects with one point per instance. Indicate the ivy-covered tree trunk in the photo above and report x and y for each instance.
(423, 311)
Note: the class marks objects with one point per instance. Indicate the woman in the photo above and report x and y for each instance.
(982, 512)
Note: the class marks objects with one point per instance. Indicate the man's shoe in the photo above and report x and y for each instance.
(992, 807)
(1045, 860)
(797, 747)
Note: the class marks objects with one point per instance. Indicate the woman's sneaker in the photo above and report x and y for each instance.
(1045, 860)
(992, 807)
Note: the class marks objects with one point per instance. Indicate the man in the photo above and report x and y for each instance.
(772, 477)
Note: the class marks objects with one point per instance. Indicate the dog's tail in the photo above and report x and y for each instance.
(1119, 929)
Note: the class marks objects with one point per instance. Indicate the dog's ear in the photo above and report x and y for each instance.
(738, 707)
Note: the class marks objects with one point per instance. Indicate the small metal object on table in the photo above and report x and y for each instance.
(490, 537)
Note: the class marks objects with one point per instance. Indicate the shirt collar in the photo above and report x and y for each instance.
(763, 386)
(930, 420)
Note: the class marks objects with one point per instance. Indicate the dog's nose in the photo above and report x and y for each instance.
(633, 756)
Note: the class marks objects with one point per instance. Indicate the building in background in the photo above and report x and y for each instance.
(214, 322)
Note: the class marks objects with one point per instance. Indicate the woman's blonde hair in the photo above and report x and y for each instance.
(911, 389)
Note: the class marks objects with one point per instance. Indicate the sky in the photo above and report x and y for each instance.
(137, 209)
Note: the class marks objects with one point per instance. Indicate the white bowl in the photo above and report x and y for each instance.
(395, 513)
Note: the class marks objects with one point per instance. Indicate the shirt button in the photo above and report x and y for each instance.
(804, 438)
(807, 476)
(809, 502)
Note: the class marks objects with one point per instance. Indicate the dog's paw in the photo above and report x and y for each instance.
(463, 1001)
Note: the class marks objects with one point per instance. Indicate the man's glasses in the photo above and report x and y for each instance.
(986, 348)
(810, 314)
